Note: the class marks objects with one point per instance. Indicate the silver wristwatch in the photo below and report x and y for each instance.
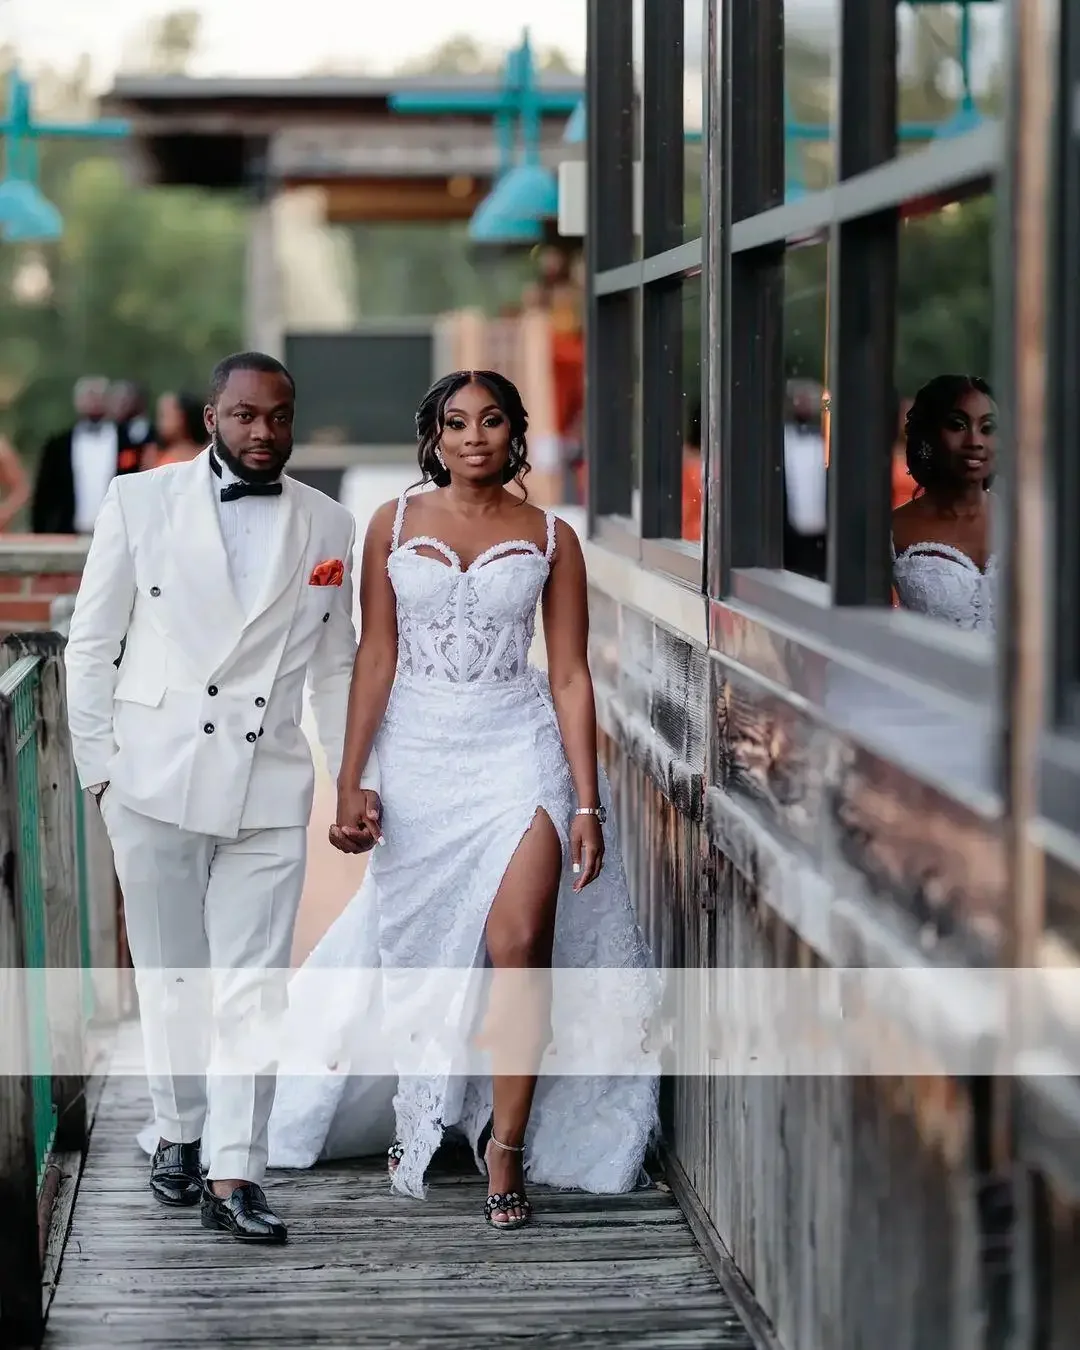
(600, 812)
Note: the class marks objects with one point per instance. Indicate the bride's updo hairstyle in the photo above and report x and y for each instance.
(431, 417)
(926, 461)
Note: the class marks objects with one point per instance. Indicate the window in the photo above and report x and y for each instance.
(850, 154)
(844, 311)
(646, 157)
(1061, 769)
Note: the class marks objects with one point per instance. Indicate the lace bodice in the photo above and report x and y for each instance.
(466, 624)
(943, 582)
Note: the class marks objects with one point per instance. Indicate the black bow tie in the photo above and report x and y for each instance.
(232, 492)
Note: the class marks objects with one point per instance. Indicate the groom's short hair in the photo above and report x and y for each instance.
(259, 361)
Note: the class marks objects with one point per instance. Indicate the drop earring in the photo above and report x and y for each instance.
(439, 456)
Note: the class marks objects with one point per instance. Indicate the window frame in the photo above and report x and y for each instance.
(1059, 786)
(655, 279)
(746, 225)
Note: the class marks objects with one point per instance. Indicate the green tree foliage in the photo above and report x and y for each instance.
(145, 284)
(944, 294)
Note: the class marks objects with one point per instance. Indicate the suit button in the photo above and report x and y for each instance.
(209, 728)
(155, 591)
(212, 691)
(251, 737)
(260, 703)
(326, 618)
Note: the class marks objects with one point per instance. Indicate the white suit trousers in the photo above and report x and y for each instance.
(210, 925)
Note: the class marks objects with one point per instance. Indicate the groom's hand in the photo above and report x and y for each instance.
(359, 821)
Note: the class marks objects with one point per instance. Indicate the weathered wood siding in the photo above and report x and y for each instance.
(859, 1210)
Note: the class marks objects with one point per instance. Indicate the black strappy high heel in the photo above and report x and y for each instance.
(502, 1202)
(394, 1155)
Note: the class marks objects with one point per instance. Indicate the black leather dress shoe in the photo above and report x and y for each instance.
(245, 1214)
(175, 1175)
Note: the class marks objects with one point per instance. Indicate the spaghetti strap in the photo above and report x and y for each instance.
(549, 548)
(399, 517)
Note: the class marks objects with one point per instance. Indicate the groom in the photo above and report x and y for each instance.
(225, 585)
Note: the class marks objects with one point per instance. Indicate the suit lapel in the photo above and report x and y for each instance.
(205, 603)
(287, 552)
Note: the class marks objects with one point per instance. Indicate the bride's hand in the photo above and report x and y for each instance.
(586, 850)
(358, 826)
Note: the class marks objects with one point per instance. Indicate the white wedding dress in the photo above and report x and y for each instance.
(469, 751)
(943, 582)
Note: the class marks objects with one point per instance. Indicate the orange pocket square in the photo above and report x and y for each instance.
(328, 573)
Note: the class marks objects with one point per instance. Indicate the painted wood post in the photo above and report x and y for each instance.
(538, 390)
(21, 1317)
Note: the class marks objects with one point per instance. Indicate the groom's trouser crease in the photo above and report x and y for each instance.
(226, 907)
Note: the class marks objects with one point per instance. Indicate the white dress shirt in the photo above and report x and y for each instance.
(249, 531)
(807, 476)
(94, 450)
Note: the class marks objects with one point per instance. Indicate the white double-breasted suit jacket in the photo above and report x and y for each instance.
(200, 724)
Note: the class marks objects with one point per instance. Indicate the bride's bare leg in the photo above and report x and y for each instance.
(520, 934)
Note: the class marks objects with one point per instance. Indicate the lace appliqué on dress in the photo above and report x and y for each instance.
(944, 583)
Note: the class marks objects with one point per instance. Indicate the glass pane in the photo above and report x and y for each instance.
(811, 68)
(949, 68)
(805, 403)
(637, 411)
(691, 408)
(946, 437)
(639, 85)
(693, 146)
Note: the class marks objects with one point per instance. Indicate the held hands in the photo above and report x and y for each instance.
(358, 826)
(586, 850)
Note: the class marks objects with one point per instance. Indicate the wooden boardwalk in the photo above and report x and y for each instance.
(366, 1269)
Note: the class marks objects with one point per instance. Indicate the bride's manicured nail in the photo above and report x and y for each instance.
(381, 839)
(577, 868)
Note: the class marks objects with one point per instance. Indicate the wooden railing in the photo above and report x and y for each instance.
(46, 995)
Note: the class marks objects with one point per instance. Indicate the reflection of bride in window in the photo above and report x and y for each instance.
(942, 561)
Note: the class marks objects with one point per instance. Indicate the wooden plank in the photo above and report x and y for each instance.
(20, 1259)
(68, 1166)
(363, 1266)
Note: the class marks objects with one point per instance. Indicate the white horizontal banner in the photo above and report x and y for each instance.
(372, 1022)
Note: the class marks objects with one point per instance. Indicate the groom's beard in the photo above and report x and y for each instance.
(244, 471)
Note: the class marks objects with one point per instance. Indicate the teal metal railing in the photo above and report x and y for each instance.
(46, 876)
(19, 686)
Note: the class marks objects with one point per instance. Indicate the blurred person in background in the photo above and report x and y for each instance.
(691, 478)
(77, 465)
(14, 484)
(181, 430)
(943, 559)
(128, 408)
(805, 472)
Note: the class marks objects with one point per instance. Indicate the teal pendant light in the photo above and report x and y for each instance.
(25, 215)
(575, 131)
(527, 194)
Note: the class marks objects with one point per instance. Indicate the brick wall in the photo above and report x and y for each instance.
(36, 569)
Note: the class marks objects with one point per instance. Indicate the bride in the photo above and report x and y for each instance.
(495, 848)
(943, 563)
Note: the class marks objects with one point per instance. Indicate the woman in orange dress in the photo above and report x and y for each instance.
(181, 431)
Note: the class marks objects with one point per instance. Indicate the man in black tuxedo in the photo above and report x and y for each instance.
(128, 408)
(78, 465)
